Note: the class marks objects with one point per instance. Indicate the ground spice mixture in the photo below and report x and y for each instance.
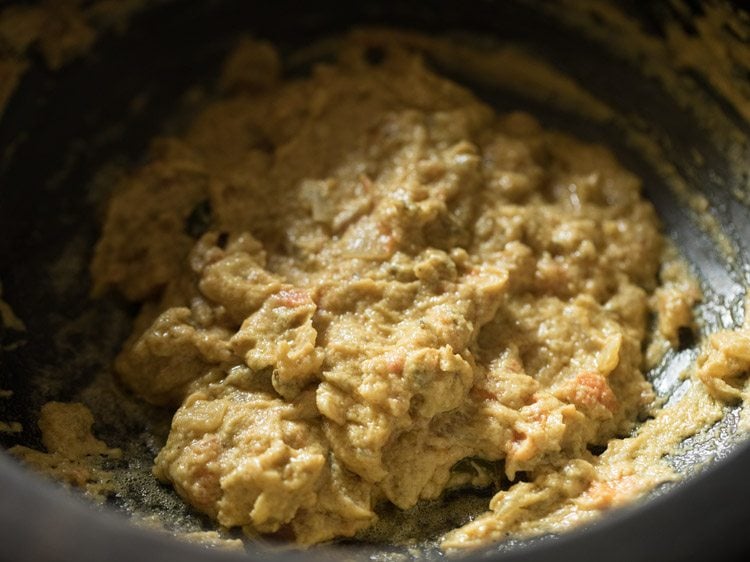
(366, 286)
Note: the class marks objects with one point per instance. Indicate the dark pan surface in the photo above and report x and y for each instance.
(60, 128)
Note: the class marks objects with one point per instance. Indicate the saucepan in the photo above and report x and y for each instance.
(676, 73)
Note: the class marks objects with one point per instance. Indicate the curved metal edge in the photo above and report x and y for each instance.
(705, 518)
